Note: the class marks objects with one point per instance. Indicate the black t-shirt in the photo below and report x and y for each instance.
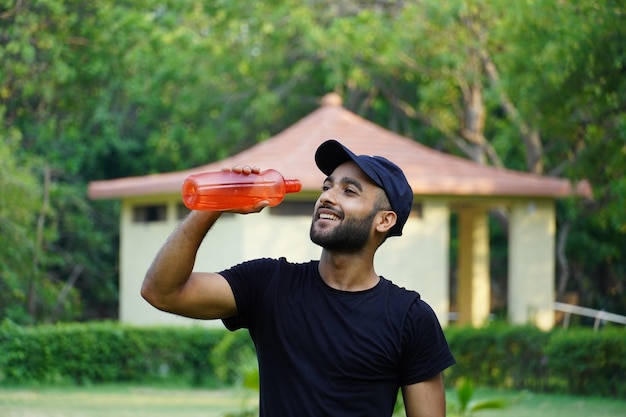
(325, 352)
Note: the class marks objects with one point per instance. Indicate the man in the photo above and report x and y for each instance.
(332, 337)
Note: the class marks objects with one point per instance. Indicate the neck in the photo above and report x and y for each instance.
(348, 272)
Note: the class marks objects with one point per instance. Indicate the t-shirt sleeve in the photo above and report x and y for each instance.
(247, 280)
(243, 290)
(425, 349)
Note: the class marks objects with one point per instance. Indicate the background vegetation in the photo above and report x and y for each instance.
(581, 362)
(98, 353)
(107, 89)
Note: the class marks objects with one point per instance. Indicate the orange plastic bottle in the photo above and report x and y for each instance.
(224, 190)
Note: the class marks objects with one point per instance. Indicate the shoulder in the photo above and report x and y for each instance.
(260, 285)
(266, 266)
(399, 295)
(418, 316)
(416, 308)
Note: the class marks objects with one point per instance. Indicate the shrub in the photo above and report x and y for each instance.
(578, 361)
(107, 352)
(589, 363)
(499, 355)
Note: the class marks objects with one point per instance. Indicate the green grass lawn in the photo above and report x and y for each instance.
(120, 401)
(528, 404)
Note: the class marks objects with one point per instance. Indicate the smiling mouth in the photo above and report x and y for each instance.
(328, 216)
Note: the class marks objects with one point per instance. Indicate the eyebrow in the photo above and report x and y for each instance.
(345, 180)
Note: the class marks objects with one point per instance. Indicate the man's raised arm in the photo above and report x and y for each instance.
(170, 285)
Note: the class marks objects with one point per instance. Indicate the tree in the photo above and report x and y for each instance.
(19, 199)
(111, 89)
(530, 85)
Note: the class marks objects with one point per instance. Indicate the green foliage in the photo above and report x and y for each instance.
(19, 200)
(467, 405)
(581, 361)
(578, 361)
(500, 355)
(589, 365)
(100, 90)
(234, 361)
(463, 405)
(107, 352)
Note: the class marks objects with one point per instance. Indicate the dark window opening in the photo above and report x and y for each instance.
(293, 208)
(149, 213)
(417, 209)
(181, 211)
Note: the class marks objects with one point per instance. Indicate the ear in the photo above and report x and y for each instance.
(386, 219)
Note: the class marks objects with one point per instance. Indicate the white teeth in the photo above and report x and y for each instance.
(328, 216)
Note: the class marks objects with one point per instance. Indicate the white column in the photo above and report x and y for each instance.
(531, 263)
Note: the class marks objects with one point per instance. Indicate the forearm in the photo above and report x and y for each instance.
(172, 266)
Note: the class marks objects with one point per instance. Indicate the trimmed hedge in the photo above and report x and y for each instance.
(577, 361)
(110, 352)
(500, 356)
(586, 362)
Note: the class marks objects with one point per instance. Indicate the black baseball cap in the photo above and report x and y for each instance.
(380, 170)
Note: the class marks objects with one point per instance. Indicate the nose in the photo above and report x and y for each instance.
(326, 197)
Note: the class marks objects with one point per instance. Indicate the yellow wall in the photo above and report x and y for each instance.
(139, 243)
(417, 260)
(474, 281)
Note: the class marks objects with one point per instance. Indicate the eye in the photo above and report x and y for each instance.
(325, 187)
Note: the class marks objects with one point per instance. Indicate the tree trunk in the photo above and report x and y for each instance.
(529, 135)
(32, 289)
(473, 122)
(562, 260)
(69, 284)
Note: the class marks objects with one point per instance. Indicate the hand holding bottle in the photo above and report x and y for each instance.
(247, 170)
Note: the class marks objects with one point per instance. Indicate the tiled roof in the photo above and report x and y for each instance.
(291, 151)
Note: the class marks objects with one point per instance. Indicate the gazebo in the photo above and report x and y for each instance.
(442, 184)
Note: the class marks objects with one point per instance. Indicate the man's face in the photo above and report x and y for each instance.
(345, 211)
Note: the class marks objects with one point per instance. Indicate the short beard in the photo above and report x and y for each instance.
(350, 237)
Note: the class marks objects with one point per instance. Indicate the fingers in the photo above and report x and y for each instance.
(258, 207)
(248, 210)
(243, 169)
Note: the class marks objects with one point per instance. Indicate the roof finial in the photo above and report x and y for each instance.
(332, 99)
